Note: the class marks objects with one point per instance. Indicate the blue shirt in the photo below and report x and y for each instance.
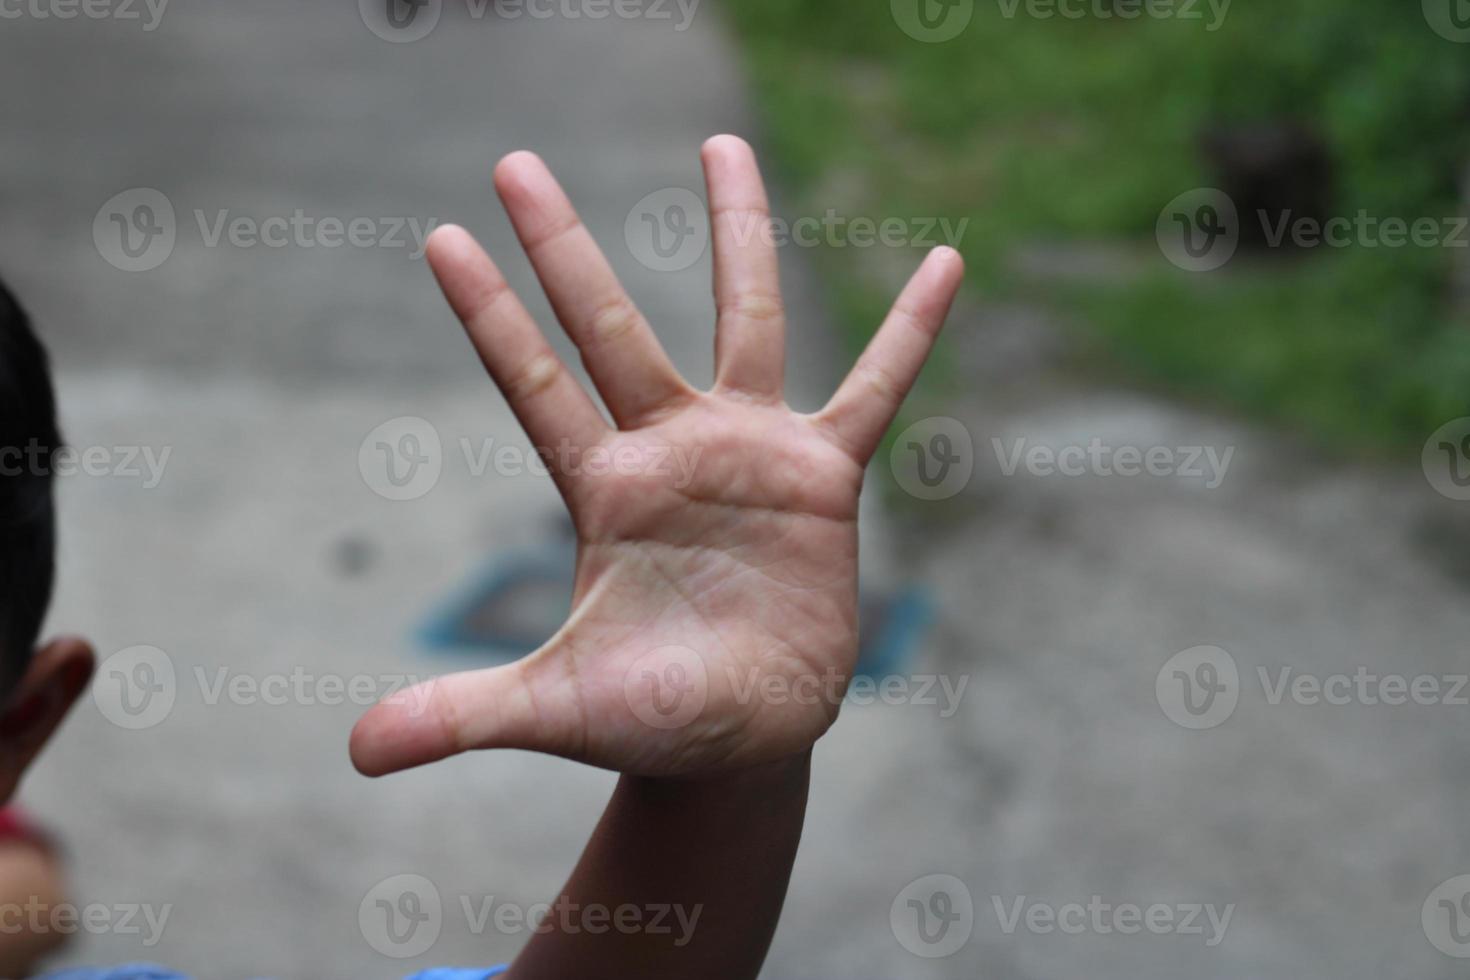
(147, 971)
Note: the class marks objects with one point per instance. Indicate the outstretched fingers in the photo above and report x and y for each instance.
(624, 358)
(548, 400)
(750, 337)
(867, 401)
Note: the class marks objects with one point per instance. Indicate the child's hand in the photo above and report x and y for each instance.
(714, 623)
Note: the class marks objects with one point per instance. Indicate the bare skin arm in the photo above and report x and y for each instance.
(716, 852)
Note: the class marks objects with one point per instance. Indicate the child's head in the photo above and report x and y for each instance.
(37, 686)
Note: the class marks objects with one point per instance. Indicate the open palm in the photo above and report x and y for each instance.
(714, 619)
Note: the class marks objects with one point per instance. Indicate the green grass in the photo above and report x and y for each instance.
(1082, 130)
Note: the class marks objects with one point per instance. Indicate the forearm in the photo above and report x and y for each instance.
(714, 853)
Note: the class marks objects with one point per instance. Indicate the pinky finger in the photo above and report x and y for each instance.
(867, 401)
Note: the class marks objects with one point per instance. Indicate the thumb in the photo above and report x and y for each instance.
(495, 708)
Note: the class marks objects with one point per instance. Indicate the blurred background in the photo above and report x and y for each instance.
(1165, 564)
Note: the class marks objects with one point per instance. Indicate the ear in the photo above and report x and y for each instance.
(56, 677)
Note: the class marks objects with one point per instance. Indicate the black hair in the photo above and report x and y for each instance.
(29, 439)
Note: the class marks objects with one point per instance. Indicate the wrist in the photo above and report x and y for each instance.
(771, 782)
